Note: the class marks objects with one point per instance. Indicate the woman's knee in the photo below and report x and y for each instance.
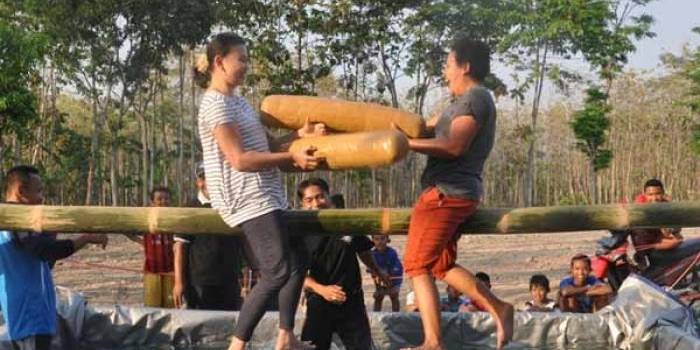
(278, 276)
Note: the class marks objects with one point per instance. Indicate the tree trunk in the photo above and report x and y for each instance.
(195, 129)
(389, 78)
(114, 174)
(180, 176)
(144, 159)
(531, 151)
(594, 183)
(94, 145)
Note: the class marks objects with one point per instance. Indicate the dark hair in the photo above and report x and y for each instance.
(583, 257)
(338, 201)
(482, 276)
(653, 183)
(474, 52)
(219, 45)
(159, 189)
(539, 281)
(314, 181)
(19, 174)
(199, 171)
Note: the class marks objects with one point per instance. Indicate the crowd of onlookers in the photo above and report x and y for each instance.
(579, 292)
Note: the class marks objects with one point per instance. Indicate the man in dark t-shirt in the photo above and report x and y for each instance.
(207, 267)
(335, 301)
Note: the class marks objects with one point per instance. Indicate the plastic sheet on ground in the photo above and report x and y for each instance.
(642, 317)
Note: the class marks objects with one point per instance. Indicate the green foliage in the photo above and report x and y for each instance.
(21, 53)
(695, 142)
(690, 69)
(608, 45)
(590, 126)
(433, 25)
(603, 32)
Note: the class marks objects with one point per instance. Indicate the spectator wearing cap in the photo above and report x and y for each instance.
(207, 267)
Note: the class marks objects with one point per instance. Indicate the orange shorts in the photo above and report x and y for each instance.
(432, 233)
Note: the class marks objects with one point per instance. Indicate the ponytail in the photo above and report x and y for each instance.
(219, 45)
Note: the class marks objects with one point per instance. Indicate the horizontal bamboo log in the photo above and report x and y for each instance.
(291, 112)
(348, 221)
(360, 150)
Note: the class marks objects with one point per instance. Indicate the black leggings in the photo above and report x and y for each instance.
(281, 264)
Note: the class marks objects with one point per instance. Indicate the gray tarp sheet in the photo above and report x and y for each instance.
(642, 317)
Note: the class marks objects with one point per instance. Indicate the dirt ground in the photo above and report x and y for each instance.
(113, 275)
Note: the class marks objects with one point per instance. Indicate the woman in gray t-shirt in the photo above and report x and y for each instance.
(242, 164)
(452, 189)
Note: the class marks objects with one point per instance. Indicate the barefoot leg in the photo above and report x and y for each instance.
(237, 344)
(502, 312)
(429, 308)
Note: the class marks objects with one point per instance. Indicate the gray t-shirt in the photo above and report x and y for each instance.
(461, 177)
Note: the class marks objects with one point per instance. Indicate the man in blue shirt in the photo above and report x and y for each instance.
(388, 261)
(27, 295)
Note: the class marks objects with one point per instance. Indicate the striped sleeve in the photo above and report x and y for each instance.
(215, 112)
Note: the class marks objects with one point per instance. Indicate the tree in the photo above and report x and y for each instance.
(434, 24)
(549, 29)
(21, 54)
(606, 47)
(110, 51)
(692, 71)
(590, 126)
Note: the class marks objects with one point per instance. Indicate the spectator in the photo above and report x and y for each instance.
(27, 293)
(334, 298)
(581, 292)
(207, 267)
(470, 305)
(539, 288)
(388, 261)
(453, 301)
(158, 279)
(411, 305)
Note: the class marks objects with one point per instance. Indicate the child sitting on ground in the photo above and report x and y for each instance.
(472, 305)
(388, 261)
(453, 301)
(539, 288)
(581, 292)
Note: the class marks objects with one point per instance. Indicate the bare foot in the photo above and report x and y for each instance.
(504, 324)
(287, 341)
(426, 347)
(297, 344)
(237, 344)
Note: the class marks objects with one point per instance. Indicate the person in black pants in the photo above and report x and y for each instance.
(207, 267)
(334, 298)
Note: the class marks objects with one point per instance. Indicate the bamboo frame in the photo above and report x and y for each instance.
(347, 221)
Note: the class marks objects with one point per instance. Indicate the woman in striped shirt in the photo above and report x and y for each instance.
(242, 163)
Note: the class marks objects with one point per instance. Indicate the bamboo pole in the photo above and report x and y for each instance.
(347, 221)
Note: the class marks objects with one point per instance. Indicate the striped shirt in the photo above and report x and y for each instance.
(237, 196)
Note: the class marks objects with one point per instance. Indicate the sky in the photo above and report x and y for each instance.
(674, 20)
(673, 24)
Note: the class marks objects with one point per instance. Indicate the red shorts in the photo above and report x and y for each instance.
(432, 233)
